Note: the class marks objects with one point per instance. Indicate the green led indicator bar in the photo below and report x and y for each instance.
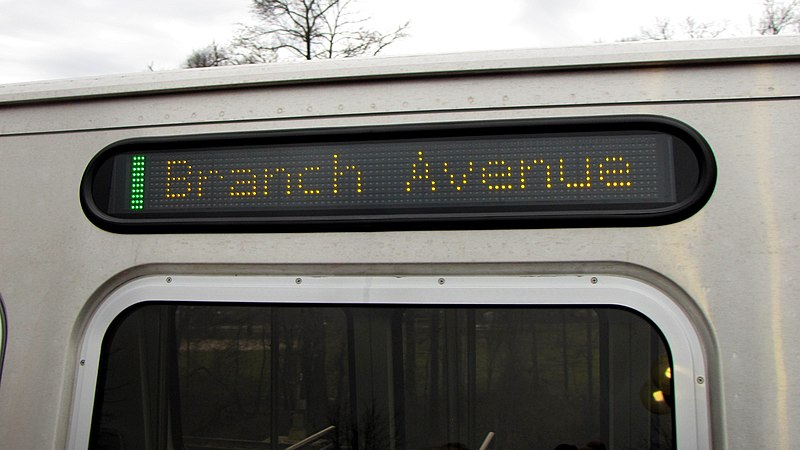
(137, 182)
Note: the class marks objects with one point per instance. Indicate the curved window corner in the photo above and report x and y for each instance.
(493, 362)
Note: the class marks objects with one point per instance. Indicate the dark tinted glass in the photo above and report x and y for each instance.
(202, 376)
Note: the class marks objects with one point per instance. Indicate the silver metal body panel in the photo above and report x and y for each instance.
(731, 266)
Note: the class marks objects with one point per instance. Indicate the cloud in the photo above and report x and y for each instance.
(72, 38)
(44, 39)
(571, 22)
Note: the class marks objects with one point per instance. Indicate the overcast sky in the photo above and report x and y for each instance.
(51, 39)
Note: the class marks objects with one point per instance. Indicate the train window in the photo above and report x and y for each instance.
(411, 375)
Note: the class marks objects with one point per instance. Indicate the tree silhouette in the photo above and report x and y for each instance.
(778, 16)
(305, 29)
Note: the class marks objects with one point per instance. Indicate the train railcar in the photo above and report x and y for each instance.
(588, 247)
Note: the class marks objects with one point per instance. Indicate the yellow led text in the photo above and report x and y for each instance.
(183, 180)
(500, 175)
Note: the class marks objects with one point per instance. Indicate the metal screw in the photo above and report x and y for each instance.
(298, 280)
(594, 280)
(701, 380)
(83, 362)
(441, 280)
(169, 279)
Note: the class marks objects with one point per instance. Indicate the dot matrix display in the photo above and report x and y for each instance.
(521, 171)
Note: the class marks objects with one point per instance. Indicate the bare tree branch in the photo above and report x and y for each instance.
(210, 56)
(367, 42)
(307, 29)
(778, 16)
(691, 28)
(661, 31)
(701, 30)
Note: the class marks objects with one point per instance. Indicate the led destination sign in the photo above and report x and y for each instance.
(394, 177)
(629, 169)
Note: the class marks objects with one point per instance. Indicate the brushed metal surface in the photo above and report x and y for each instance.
(735, 260)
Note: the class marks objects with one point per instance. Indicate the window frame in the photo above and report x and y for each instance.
(691, 390)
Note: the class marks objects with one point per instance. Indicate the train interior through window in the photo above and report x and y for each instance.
(220, 376)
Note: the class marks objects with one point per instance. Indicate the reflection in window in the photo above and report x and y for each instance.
(217, 376)
(236, 387)
(536, 378)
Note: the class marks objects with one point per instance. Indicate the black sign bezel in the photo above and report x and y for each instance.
(696, 165)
